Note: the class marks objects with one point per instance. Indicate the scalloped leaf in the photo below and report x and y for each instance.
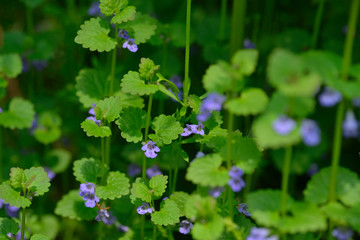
(130, 122)
(72, 206)
(87, 170)
(47, 225)
(317, 189)
(180, 198)
(39, 237)
(147, 68)
(37, 180)
(93, 34)
(17, 178)
(207, 171)
(92, 129)
(252, 101)
(245, 60)
(216, 138)
(108, 109)
(143, 27)
(169, 214)
(141, 191)
(117, 186)
(166, 128)
(158, 184)
(198, 207)
(133, 84)
(128, 100)
(8, 225)
(210, 230)
(351, 196)
(124, 15)
(12, 197)
(266, 136)
(48, 130)
(20, 114)
(10, 65)
(217, 78)
(336, 212)
(110, 7)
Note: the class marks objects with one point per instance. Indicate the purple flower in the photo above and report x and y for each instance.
(105, 216)
(199, 155)
(187, 131)
(203, 116)
(50, 173)
(11, 211)
(213, 102)
(193, 128)
(216, 191)
(342, 233)
(122, 228)
(248, 44)
(260, 234)
(176, 79)
(145, 208)
(39, 65)
(150, 149)
(91, 200)
(356, 102)
(2, 203)
(123, 34)
(1, 110)
(94, 9)
(153, 171)
(133, 170)
(235, 172)
(350, 125)
(242, 208)
(310, 132)
(34, 124)
(92, 113)
(87, 188)
(185, 226)
(236, 184)
(283, 125)
(92, 110)
(329, 97)
(314, 168)
(131, 45)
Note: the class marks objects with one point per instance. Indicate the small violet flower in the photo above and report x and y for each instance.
(248, 44)
(236, 182)
(342, 233)
(94, 9)
(216, 191)
(329, 97)
(199, 154)
(131, 45)
(235, 172)
(283, 125)
(153, 171)
(1, 110)
(350, 125)
(185, 226)
(121, 228)
(123, 34)
(50, 173)
(12, 211)
(310, 132)
(133, 170)
(145, 208)
(260, 234)
(150, 149)
(193, 128)
(213, 102)
(92, 113)
(105, 216)
(87, 191)
(91, 200)
(2, 203)
(242, 208)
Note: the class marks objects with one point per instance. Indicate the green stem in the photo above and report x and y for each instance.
(170, 235)
(176, 170)
(107, 149)
(113, 65)
(148, 116)
(187, 53)
(285, 178)
(23, 224)
(1, 153)
(247, 189)
(142, 227)
(223, 14)
(154, 232)
(317, 23)
(103, 160)
(237, 25)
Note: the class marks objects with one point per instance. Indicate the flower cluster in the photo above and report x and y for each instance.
(123, 34)
(185, 226)
(144, 209)
(105, 216)
(350, 125)
(236, 182)
(260, 234)
(213, 102)
(131, 45)
(150, 149)
(92, 113)
(242, 208)
(133, 170)
(193, 128)
(329, 97)
(87, 191)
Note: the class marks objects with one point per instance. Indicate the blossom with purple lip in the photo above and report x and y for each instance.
(329, 97)
(87, 188)
(236, 172)
(310, 132)
(90, 200)
(193, 128)
(185, 226)
(2, 203)
(39, 65)
(213, 102)
(248, 44)
(199, 154)
(123, 34)
(350, 125)
(105, 216)
(92, 109)
(131, 45)
(145, 208)
(283, 125)
(50, 173)
(187, 131)
(92, 113)
(260, 234)
(12, 211)
(94, 9)
(133, 170)
(242, 208)
(153, 171)
(216, 191)
(342, 233)
(236, 183)
(150, 149)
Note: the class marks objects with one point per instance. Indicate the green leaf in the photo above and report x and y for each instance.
(93, 34)
(158, 184)
(130, 122)
(124, 15)
(10, 65)
(252, 101)
(165, 90)
(47, 225)
(180, 198)
(140, 190)
(351, 196)
(265, 206)
(198, 207)
(266, 137)
(108, 109)
(92, 129)
(39, 237)
(17, 178)
(166, 129)
(9, 195)
(207, 171)
(20, 114)
(133, 84)
(128, 100)
(110, 7)
(336, 212)
(317, 189)
(48, 130)
(195, 103)
(117, 186)
(87, 170)
(217, 78)
(210, 230)
(8, 225)
(147, 68)
(169, 214)
(37, 180)
(73, 206)
(216, 138)
(58, 160)
(245, 60)
(143, 27)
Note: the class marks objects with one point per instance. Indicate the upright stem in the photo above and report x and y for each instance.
(148, 116)
(237, 25)
(285, 178)
(187, 53)
(23, 224)
(317, 23)
(113, 66)
(103, 160)
(175, 175)
(223, 14)
(1, 153)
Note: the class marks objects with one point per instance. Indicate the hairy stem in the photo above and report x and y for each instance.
(187, 52)
(23, 224)
(237, 25)
(317, 23)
